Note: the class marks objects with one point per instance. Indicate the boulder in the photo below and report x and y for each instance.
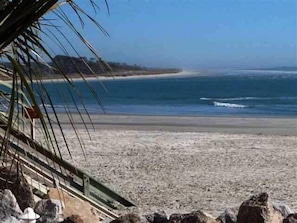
(16, 182)
(282, 208)
(74, 206)
(258, 209)
(193, 217)
(49, 210)
(128, 218)
(9, 208)
(229, 215)
(157, 217)
(11, 219)
(291, 218)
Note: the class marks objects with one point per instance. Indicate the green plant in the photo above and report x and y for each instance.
(23, 26)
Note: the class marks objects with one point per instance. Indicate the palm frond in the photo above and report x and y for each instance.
(21, 24)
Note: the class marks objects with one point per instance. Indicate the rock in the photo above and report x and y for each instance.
(193, 217)
(291, 218)
(49, 210)
(143, 219)
(258, 209)
(229, 215)
(157, 217)
(149, 218)
(9, 202)
(73, 219)
(8, 206)
(16, 182)
(128, 218)
(11, 220)
(283, 209)
(74, 206)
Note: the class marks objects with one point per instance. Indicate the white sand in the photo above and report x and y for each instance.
(181, 171)
(128, 76)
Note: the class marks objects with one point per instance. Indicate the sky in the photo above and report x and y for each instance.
(192, 34)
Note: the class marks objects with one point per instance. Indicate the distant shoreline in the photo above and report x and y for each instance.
(141, 74)
(121, 76)
(112, 75)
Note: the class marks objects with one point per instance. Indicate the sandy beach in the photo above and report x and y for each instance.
(181, 164)
(122, 76)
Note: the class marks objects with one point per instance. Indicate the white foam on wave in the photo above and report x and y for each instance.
(249, 98)
(243, 98)
(45, 105)
(228, 105)
(206, 99)
(233, 99)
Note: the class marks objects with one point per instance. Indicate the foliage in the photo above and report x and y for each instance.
(22, 26)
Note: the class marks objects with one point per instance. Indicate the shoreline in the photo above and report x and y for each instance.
(114, 76)
(125, 77)
(233, 125)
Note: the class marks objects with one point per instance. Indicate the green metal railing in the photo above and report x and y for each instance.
(45, 163)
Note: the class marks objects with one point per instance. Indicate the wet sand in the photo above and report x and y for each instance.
(238, 125)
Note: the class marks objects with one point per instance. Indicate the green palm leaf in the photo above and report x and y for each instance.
(21, 24)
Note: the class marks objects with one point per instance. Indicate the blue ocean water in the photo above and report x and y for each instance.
(224, 93)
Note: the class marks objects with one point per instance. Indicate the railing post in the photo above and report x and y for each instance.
(86, 185)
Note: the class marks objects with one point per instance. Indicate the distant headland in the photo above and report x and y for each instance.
(73, 67)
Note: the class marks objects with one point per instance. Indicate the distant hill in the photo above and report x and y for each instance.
(75, 65)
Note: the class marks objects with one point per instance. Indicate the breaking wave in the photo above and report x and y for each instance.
(229, 105)
(248, 98)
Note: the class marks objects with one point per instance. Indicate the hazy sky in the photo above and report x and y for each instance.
(195, 34)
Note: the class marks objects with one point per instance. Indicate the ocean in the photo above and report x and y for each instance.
(221, 93)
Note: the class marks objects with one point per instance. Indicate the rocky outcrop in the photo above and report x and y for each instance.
(258, 209)
(18, 185)
(9, 203)
(9, 208)
(157, 217)
(193, 217)
(49, 210)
